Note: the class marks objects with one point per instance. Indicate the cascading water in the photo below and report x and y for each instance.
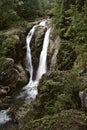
(28, 55)
(30, 90)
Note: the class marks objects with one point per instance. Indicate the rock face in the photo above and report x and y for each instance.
(11, 77)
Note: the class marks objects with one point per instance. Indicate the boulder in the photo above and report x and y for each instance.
(11, 74)
(12, 77)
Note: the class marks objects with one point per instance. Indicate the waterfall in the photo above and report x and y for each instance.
(30, 90)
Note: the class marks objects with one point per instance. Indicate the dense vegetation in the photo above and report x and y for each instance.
(70, 19)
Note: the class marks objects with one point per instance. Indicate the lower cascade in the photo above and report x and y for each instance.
(30, 90)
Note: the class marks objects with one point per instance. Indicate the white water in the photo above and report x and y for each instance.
(4, 117)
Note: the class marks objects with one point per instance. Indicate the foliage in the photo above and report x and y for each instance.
(70, 22)
(66, 56)
(7, 13)
(12, 11)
